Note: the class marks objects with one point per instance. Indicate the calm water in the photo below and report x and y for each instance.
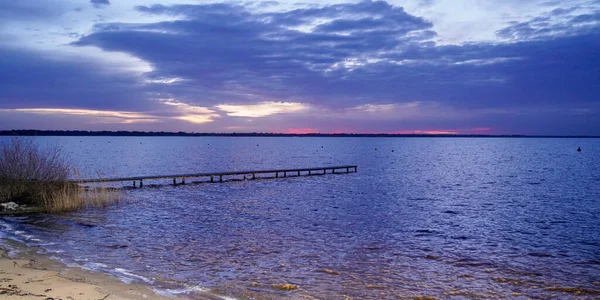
(438, 217)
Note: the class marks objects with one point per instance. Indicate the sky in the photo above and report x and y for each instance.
(422, 66)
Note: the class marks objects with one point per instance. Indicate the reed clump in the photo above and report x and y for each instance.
(71, 197)
(39, 176)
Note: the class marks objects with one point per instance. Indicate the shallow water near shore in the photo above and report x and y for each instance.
(465, 217)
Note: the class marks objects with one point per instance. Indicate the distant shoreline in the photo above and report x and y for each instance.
(262, 134)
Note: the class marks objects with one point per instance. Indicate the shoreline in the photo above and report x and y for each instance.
(28, 275)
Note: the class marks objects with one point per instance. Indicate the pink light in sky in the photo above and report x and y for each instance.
(441, 131)
(480, 130)
(301, 130)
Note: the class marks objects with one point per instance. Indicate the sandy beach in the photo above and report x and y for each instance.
(27, 275)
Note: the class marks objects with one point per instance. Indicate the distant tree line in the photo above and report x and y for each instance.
(246, 134)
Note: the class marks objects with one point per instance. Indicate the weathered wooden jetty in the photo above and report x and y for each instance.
(218, 177)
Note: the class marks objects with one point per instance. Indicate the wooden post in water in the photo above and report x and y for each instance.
(284, 174)
(141, 183)
(212, 179)
(347, 170)
(134, 183)
(298, 173)
(220, 178)
(309, 172)
(174, 181)
(253, 176)
(183, 180)
(332, 171)
(276, 174)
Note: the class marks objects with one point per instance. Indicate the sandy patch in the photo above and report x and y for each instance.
(35, 277)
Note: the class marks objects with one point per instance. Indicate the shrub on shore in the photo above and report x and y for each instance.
(39, 176)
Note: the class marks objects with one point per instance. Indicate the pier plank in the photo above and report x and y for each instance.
(308, 171)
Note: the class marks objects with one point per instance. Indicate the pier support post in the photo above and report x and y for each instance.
(141, 183)
(253, 176)
(347, 170)
(332, 171)
(298, 173)
(276, 174)
(134, 183)
(183, 180)
(212, 179)
(309, 172)
(220, 178)
(174, 181)
(284, 174)
(355, 169)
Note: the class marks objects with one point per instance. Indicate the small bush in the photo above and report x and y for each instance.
(39, 176)
(28, 173)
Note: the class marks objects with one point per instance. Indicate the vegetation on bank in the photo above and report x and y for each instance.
(39, 177)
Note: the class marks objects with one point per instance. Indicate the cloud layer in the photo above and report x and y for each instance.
(368, 66)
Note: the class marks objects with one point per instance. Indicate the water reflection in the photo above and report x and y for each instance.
(471, 218)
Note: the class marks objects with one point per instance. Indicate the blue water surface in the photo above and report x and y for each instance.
(441, 217)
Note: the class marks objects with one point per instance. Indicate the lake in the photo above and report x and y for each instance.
(440, 217)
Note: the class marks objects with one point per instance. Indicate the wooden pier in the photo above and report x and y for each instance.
(218, 177)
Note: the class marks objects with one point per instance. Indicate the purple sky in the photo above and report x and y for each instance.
(464, 66)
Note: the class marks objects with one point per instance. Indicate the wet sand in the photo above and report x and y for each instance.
(27, 275)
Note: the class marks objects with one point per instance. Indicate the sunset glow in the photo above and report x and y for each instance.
(83, 112)
(262, 109)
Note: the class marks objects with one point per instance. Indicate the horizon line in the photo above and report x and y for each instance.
(39, 132)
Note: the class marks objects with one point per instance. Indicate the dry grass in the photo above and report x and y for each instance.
(39, 176)
(71, 197)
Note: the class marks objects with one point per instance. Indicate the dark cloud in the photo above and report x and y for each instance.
(587, 18)
(31, 79)
(100, 3)
(228, 47)
(557, 23)
(398, 26)
(561, 11)
(374, 9)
